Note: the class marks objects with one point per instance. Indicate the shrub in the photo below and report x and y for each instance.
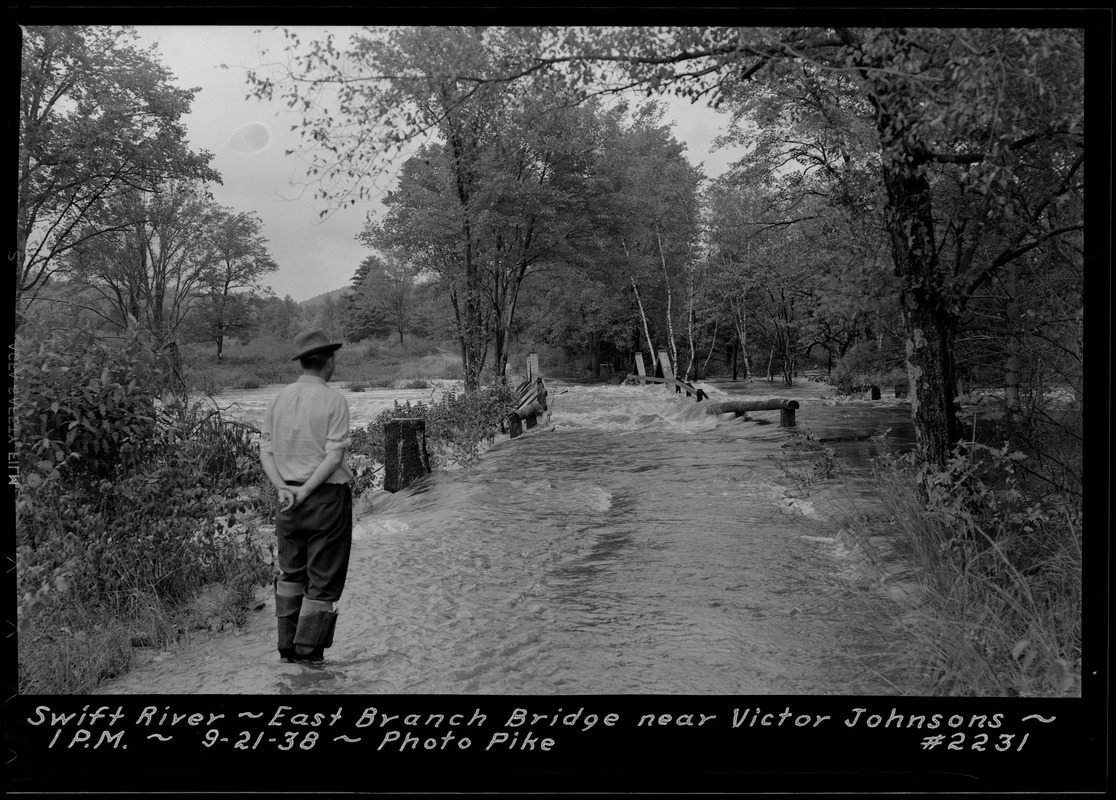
(82, 410)
(126, 505)
(457, 425)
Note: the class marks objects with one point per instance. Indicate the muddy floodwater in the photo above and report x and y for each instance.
(631, 543)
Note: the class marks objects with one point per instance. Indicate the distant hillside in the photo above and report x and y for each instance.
(317, 301)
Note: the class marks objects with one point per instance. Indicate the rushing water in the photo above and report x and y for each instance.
(630, 544)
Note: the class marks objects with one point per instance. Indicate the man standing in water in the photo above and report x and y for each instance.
(302, 449)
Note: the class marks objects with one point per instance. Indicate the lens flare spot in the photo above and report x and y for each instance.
(250, 138)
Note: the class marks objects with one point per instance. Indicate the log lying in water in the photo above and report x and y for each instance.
(738, 407)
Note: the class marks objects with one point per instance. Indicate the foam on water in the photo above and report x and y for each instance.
(632, 543)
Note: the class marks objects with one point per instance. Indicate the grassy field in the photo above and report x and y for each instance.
(369, 364)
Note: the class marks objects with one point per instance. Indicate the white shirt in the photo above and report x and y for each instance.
(304, 421)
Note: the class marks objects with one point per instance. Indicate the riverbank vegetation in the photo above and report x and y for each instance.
(907, 216)
(987, 589)
(139, 513)
(130, 508)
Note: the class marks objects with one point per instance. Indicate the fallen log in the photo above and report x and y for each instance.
(738, 407)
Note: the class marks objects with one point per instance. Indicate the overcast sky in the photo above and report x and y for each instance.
(314, 255)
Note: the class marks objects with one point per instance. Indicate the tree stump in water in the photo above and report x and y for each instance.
(405, 456)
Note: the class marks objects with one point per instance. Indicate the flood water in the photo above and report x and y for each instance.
(631, 543)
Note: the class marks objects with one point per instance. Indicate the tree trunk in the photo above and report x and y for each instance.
(671, 345)
(712, 345)
(739, 318)
(643, 319)
(1013, 345)
(405, 456)
(925, 298)
(690, 325)
(929, 326)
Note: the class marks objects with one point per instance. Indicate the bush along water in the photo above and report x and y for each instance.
(129, 507)
(997, 608)
(458, 427)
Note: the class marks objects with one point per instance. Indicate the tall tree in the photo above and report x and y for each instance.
(98, 118)
(280, 319)
(153, 274)
(241, 259)
(382, 296)
(987, 103)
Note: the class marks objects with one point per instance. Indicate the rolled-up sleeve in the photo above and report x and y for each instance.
(337, 434)
(265, 433)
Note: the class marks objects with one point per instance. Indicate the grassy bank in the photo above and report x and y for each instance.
(979, 594)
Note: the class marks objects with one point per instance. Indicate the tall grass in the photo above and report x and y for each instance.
(992, 604)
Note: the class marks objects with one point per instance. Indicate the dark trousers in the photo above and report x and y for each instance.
(315, 540)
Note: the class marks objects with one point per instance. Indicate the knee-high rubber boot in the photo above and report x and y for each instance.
(288, 604)
(316, 622)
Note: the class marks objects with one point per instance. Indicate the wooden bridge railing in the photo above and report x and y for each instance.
(668, 377)
(531, 397)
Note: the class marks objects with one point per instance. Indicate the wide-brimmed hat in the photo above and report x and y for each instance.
(308, 343)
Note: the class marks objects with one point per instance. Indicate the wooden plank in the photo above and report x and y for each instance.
(640, 370)
(537, 392)
(664, 362)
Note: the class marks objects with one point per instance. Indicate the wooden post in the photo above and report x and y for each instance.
(664, 362)
(405, 456)
(515, 426)
(640, 370)
(786, 416)
(668, 373)
(532, 367)
(875, 392)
